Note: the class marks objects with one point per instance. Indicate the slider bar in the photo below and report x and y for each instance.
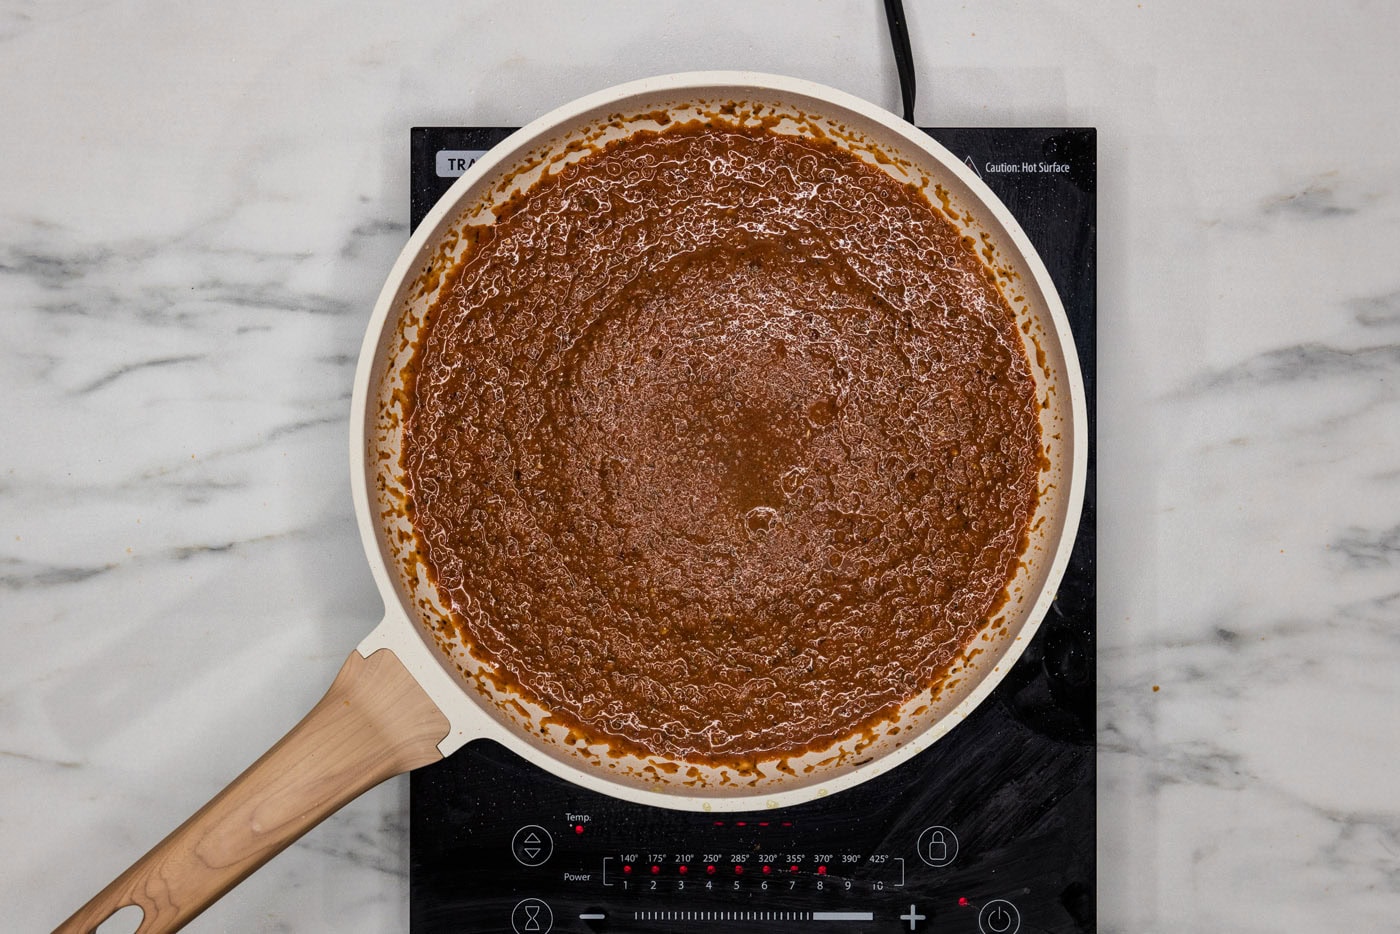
(748, 915)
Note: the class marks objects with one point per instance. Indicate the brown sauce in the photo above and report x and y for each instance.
(722, 443)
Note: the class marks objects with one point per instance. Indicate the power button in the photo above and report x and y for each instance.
(999, 916)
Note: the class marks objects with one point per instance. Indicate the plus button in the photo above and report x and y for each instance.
(913, 917)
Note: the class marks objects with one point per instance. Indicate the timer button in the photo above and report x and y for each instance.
(999, 917)
(531, 916)
(532, 845)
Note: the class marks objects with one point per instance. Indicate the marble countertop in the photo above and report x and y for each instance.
(198, 207)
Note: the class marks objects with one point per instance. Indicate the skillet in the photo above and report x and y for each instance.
(411, 693)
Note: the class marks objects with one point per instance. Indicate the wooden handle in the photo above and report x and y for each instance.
(373, 723)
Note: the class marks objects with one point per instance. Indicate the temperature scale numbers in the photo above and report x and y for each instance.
(752, 873)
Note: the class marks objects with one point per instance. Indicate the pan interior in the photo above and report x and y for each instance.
(791, 108)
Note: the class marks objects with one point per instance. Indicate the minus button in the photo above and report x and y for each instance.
(591, 916)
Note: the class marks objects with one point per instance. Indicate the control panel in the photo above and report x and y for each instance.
(994, 844)
(751, 871)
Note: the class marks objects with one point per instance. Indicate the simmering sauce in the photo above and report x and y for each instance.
(722, 444)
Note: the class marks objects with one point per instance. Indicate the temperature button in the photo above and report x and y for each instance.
(532, 845)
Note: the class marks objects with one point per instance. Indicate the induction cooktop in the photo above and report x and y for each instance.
(991, 830)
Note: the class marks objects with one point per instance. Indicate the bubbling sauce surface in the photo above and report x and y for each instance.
(722, 444)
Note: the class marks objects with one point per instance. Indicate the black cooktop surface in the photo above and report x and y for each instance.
(989, 831)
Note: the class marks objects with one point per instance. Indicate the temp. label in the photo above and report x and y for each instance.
(454, 162)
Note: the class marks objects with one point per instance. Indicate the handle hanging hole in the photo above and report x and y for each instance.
(123, 921)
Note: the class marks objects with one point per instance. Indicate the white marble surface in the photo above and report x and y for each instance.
(199, 202)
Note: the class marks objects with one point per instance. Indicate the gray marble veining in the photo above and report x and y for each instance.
(198, 206)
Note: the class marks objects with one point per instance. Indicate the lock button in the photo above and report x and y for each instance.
(937, 846)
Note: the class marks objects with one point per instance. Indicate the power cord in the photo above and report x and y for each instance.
(903, 57)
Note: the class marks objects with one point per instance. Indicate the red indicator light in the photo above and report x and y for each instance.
(738, 870)
(741, 823)
(627, 868)
(794, 868)
(963, 902)
(763, 823)
(710, 869)
(787, 823)
(682, 869)
(767, 869)
(821, 870)
(719, 823)
(578, 828)
(655, 870)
